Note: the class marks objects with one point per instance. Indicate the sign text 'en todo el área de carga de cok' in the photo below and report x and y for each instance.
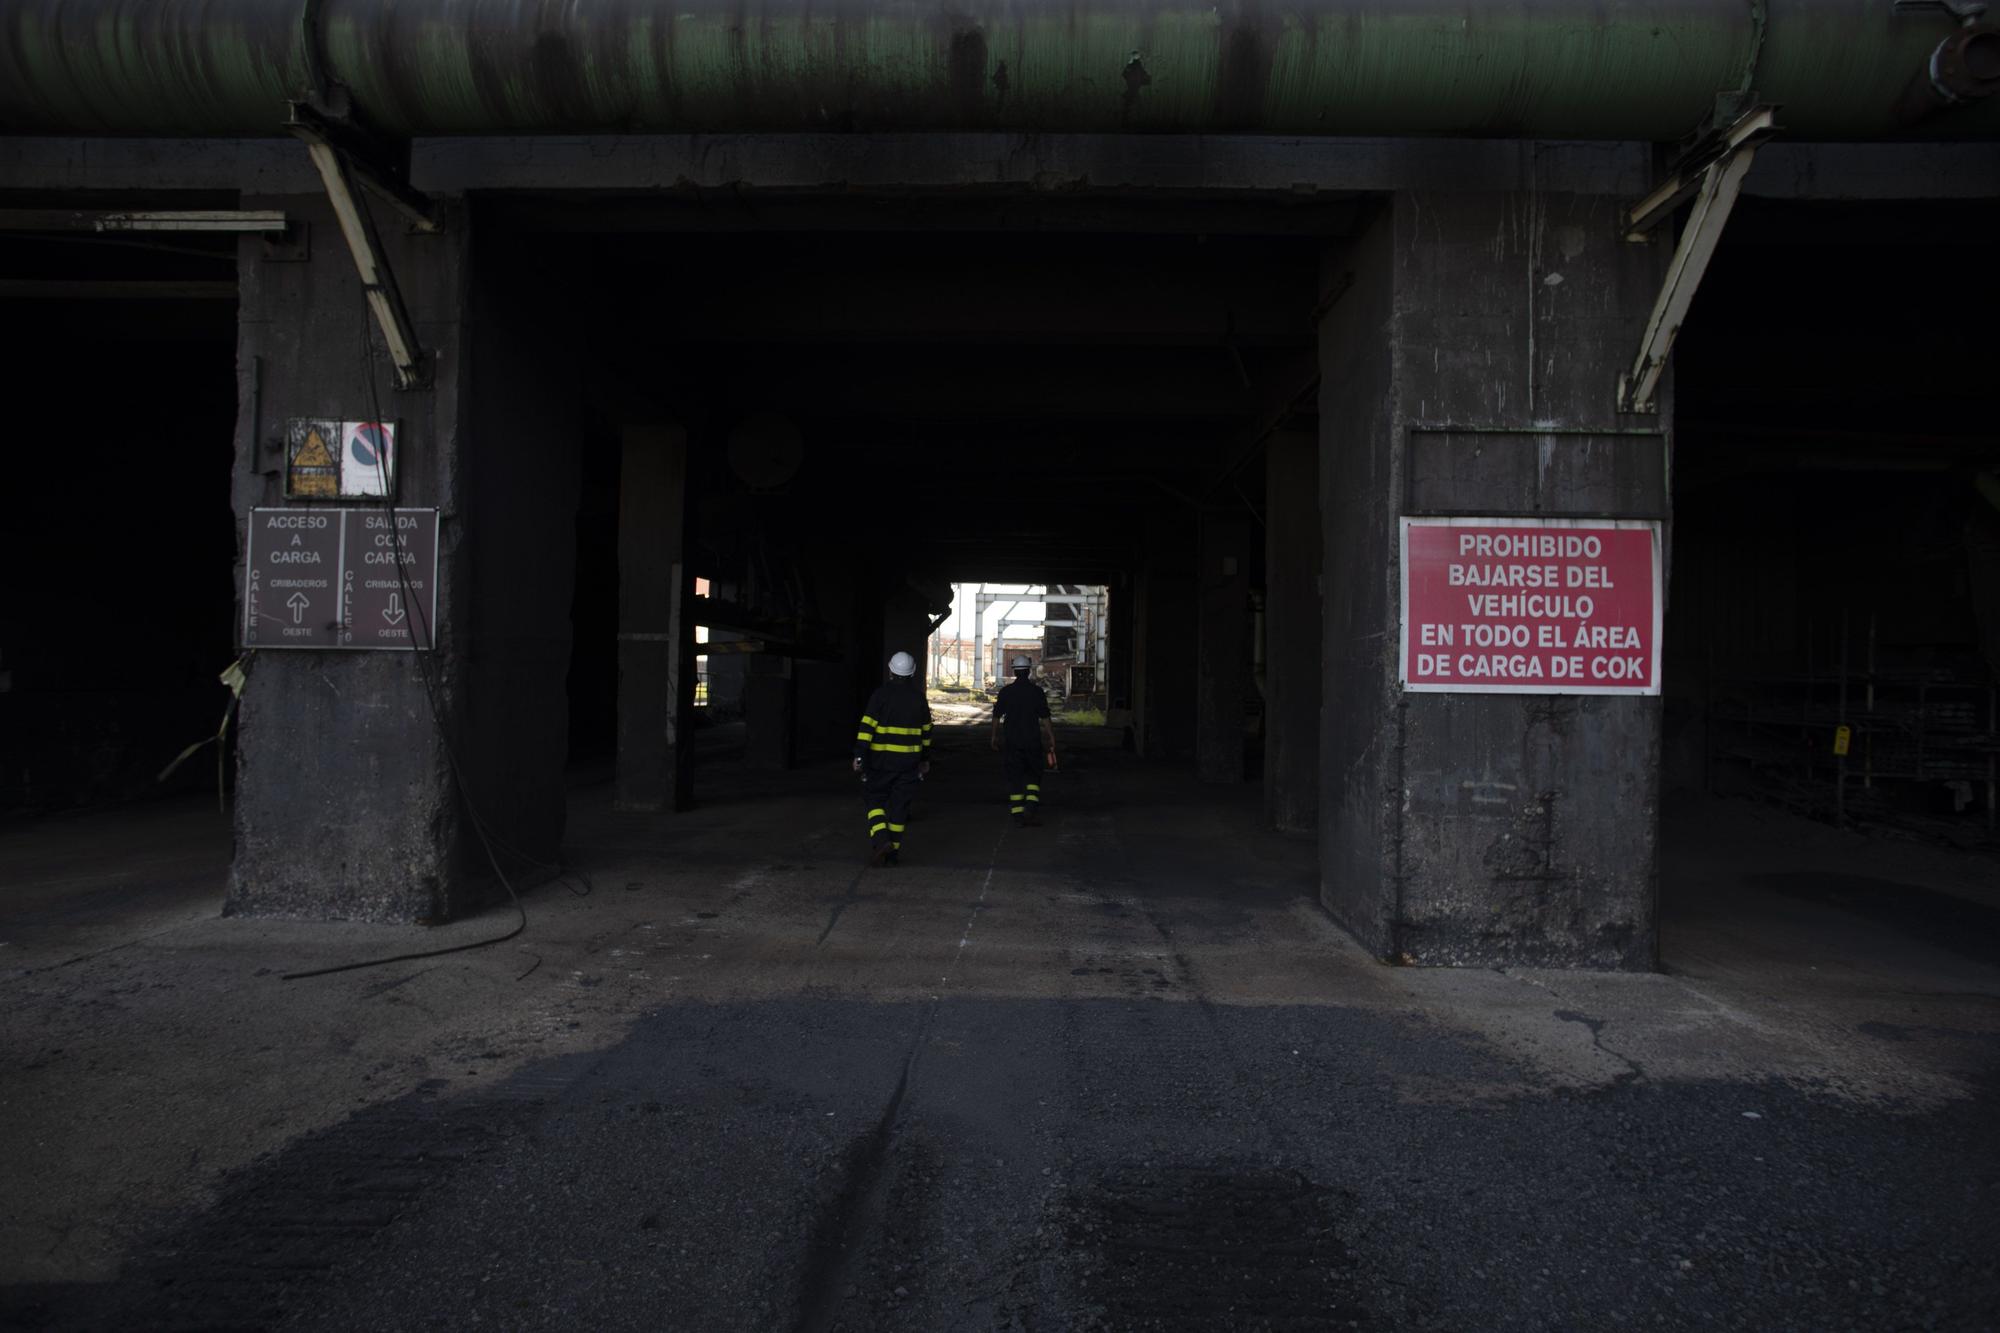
(341, 578)
(1531, 606)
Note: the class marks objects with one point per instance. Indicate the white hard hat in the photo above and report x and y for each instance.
(1020, 664)
(902, 664)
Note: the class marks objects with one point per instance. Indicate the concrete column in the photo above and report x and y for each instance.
(1291, 631)
(1118, 644)
(906, 627)
(1223, 658)
(770, 711)
(828, 695)
(1163, 634)
(522, 461)
(350, 763)
(979, 639)
(1468, 367)
(728, 672)
(655, 633)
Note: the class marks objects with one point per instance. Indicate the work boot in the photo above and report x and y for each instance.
(894, 858)
(1020, 821)
(1034, 818)
(882, 855)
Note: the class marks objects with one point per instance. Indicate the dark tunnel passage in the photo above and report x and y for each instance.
(874, 405)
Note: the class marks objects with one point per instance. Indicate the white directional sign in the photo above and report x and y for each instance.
(291, 593)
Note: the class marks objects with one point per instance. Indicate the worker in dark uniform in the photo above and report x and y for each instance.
(1023, 733)
(892, 752)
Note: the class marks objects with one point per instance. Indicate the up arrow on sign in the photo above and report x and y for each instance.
(298, 603)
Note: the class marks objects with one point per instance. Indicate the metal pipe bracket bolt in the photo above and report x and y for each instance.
(1966, 65)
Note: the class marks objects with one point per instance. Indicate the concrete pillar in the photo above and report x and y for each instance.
(906, 628)
(770, 711)
(655, 633)
(727, 672)
(978, 653)
(1223, 657)
(350, 763)
(1118, 643)
(828, 695)
(1468, 367)
(1163, 635)
(1291, 631)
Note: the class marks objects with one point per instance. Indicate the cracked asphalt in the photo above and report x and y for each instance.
(1117, 1072)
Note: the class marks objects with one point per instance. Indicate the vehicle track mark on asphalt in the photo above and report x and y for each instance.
(852, 897)
(858, 1209)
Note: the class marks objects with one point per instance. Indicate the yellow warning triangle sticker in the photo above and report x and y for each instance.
(312, 453)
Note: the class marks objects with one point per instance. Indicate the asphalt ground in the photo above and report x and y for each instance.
(1118, 1072)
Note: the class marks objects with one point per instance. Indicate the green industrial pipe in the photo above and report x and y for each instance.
(1603, 69)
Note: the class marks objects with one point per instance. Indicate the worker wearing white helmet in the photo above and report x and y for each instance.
(1023, 733)
(892, 752)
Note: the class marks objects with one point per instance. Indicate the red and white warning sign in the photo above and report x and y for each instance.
(1531, 606)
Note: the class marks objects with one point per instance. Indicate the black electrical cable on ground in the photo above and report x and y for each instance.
(421, 646)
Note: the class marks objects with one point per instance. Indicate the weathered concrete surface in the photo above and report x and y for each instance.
(742, 1084)
(1292, 677)
(1470, 370)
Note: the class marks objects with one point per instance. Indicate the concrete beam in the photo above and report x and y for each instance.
(999, 303)
(944, 384)
(1049, 163)
(1051, 166)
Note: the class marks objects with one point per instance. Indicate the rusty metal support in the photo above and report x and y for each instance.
(1750, 130)
(361, 157)
(379, 284)
(1715, 190)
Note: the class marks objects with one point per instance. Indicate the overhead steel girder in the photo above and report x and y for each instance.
(1640, 69)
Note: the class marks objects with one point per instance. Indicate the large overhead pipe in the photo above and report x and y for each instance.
(1605, 69)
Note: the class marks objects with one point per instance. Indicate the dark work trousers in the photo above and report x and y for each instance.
(1024, 778)
(889, 797)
